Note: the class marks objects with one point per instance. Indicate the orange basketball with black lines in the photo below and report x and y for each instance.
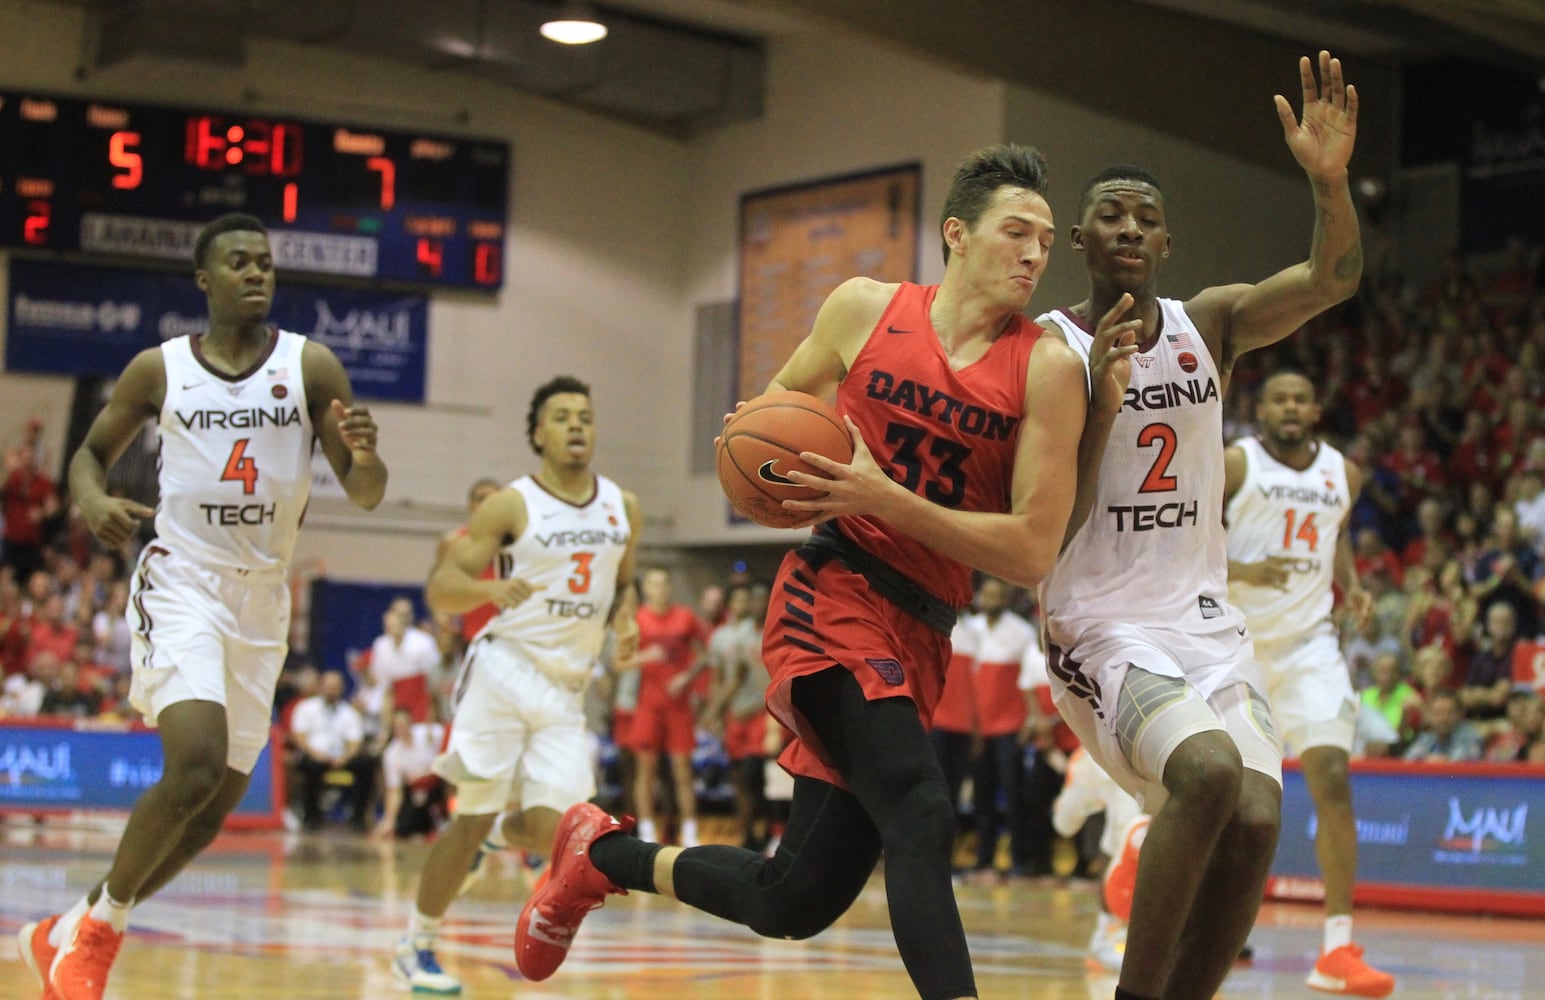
(761, 444)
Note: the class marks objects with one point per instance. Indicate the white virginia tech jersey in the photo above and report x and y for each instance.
(234, 457)
(1279, 511)
(1152, 550)
(573, 553)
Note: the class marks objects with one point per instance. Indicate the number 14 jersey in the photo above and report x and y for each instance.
(1152, 551)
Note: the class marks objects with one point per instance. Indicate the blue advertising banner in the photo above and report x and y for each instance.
(72, 319)
(48, 768)
(1456, 831)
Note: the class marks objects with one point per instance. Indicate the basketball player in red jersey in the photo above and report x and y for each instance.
(1151, 665)
(238, 410)
(472, 621)
(976, 421)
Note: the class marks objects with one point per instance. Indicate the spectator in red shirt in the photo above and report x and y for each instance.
(1473, 458)
(1420, 469)
(28, 499)
(1519, 429)
(1370, 555)
(13, 626)
(1431, 544)
(672, 650)
(51, 632)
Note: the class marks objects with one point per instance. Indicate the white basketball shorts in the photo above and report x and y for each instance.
(517, 735)
(201, 634)
(1310, 690)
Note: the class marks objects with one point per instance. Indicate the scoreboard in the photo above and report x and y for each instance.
(136, 180)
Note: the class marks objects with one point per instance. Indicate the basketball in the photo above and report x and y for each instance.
(761, 444)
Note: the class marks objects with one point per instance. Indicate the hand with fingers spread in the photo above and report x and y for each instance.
(1322, 141)
(1110, 357)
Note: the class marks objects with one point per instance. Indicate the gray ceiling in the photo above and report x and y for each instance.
(684, 66)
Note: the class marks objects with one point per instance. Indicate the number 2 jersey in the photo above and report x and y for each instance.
(946, 435)
(1280, 511)
(234, 458)
(573, 552)
(1152, 551)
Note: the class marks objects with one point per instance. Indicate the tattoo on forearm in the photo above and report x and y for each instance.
(1349, 264)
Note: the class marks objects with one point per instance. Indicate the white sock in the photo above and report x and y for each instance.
(646, 831)
(1338, 932)
(496, 835)
(423, 931)
(111, 912)
(689, 833)
(67, 921)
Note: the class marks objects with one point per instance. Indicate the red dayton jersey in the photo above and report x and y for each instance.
(946, 435)
(673, 631)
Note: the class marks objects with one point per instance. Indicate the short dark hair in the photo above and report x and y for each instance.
(983, 173)
(1116, 172)
(1289, 370)
(544, 392)
(233, 222)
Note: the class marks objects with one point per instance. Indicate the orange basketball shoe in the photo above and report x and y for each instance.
(571, 887)
(80, 969)
(1121, 874)
(1343, 971)
(32, 942)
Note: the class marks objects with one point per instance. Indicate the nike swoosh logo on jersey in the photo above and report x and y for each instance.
(1240, 629)
(893, 329)
(191, 385)
(766, 473)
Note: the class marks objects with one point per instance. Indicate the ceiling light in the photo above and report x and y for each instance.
(574, 24)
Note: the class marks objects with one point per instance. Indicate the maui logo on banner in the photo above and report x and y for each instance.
(1484, 829)
(71, 319)
(26, 768)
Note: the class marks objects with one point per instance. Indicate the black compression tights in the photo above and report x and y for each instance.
(898, 803)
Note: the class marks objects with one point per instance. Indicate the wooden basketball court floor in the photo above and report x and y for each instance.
(313, 916)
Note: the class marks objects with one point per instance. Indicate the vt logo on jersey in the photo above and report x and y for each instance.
(916, 397)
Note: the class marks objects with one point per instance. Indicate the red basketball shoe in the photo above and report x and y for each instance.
(1343, 971)
(571, 888)
(1121, 876)
(37, 953)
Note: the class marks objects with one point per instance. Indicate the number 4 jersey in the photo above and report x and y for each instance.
(234, 457)
(1152, 551)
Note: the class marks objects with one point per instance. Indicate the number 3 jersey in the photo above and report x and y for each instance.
(234, 457)
(1152, 551)
(573, 553)
(1280, 511)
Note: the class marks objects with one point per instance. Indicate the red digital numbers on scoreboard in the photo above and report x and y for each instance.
(34, 227)
(488, 263)
(431, 257)
(123, 154)
(253, 146)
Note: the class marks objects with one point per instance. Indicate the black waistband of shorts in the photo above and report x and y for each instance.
(827, 542)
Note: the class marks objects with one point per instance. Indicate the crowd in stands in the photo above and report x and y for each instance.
(1437, 392)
